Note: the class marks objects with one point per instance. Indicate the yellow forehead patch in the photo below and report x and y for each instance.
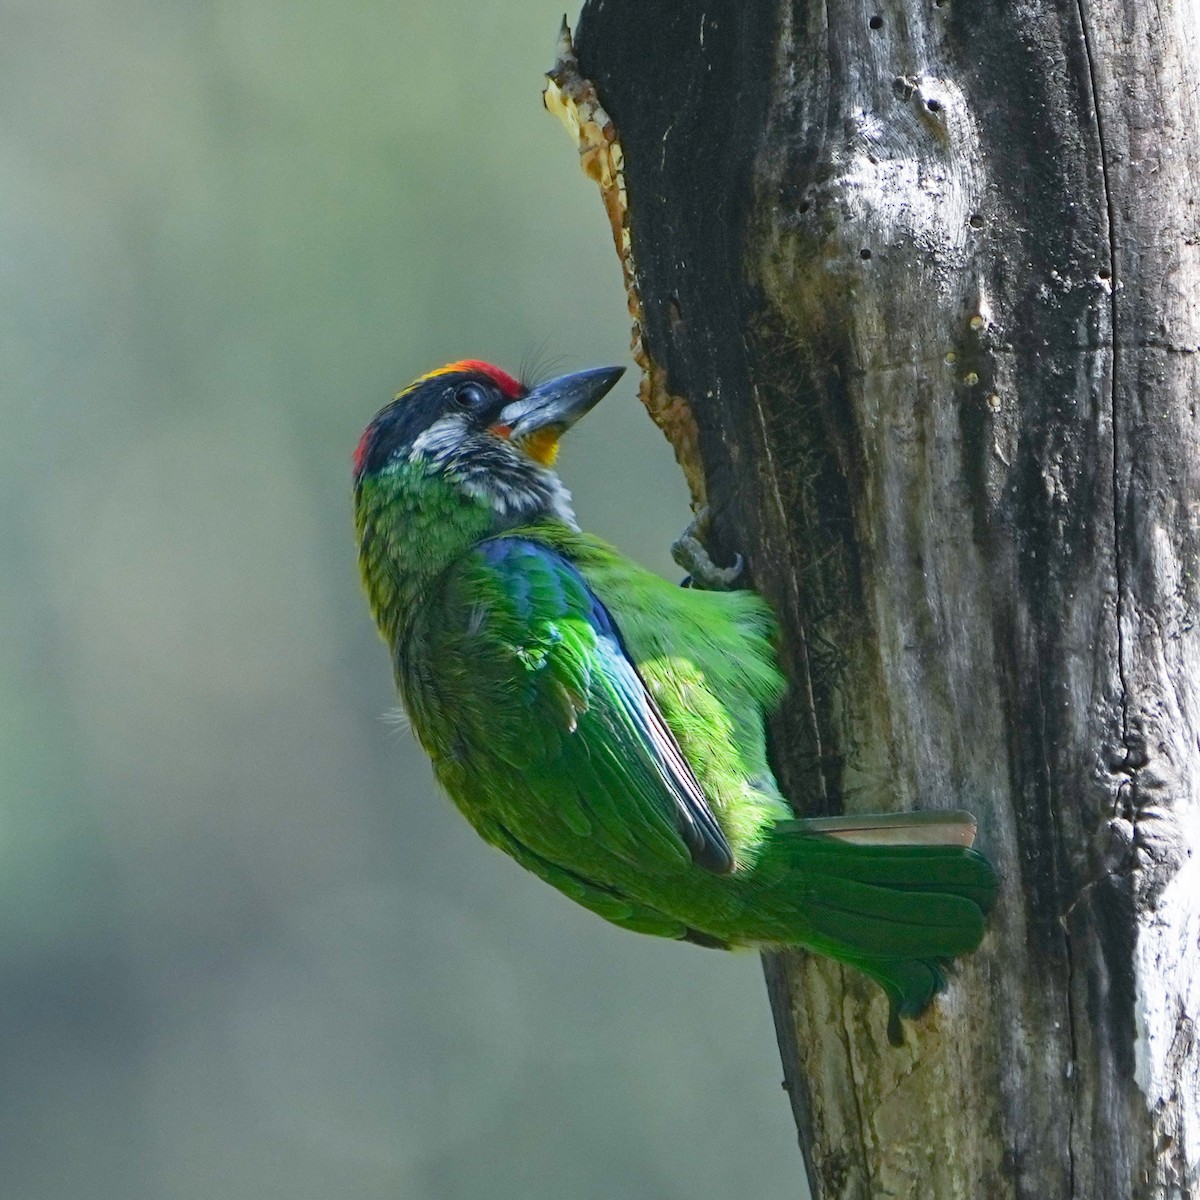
(469, 366)
(463, 364)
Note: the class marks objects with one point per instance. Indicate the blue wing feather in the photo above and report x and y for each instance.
(568, 594)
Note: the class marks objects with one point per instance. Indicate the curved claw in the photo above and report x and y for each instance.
(690, 554)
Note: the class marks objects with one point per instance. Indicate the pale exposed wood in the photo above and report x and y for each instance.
(927, 274)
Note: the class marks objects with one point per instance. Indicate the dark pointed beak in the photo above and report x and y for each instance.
(553, 407)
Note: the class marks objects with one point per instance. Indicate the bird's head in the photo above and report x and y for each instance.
(469, 428)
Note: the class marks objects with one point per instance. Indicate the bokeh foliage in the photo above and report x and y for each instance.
(245, 949)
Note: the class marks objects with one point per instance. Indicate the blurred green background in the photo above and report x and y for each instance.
(246, 950)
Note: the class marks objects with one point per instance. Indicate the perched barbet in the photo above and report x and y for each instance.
(605, 727)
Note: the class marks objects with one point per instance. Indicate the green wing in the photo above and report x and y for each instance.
(709, 660)
(545, 735)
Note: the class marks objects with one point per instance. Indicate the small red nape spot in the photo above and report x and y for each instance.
(360, 451)
(474, 366)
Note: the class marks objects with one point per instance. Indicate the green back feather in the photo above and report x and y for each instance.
(536, 732)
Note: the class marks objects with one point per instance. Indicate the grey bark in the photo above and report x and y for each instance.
(925, 272)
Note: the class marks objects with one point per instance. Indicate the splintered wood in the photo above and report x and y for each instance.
(574, 101)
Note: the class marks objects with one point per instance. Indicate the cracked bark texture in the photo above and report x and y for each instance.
(926, 271)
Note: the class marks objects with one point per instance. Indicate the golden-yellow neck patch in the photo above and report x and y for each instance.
(542, 446)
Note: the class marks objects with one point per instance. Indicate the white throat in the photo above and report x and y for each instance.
(493, 471)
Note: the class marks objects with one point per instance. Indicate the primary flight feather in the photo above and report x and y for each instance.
(604, 727)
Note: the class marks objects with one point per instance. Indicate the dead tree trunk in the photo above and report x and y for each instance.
(916, 286)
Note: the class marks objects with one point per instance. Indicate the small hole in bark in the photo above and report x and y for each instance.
(876, 22)
(675, 315)
(933, 105)
(976, 221)
(864, 254)
(804, 206)
(1104, 273)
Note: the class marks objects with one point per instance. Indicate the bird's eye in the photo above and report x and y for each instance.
(470, 396)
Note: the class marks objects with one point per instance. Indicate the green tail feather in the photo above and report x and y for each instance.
(899, 914)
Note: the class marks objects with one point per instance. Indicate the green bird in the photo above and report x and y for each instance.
(606, 728)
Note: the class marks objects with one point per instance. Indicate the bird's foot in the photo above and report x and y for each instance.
(689, 552)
